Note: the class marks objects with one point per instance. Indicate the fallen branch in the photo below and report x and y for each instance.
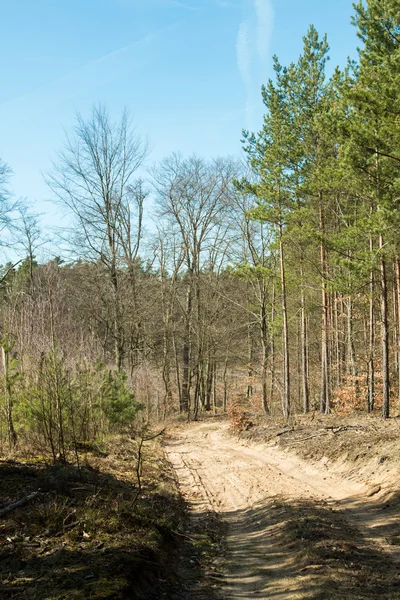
(70, 526)
(19, 503)
(187, 537)
(338, 429)
(283, 432)
(306, 438)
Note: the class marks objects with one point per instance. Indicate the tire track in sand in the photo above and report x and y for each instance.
(241, 483)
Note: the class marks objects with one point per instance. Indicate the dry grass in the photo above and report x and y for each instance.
(83, 536)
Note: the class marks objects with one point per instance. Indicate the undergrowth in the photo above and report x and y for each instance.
(86, 535)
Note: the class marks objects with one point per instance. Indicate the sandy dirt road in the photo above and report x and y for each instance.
(246, 484)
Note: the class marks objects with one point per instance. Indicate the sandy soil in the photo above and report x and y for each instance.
(250, 483)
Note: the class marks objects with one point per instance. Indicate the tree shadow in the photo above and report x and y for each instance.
(305, 550)
(81, 537)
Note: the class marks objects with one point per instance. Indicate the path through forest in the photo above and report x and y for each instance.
(294, 530)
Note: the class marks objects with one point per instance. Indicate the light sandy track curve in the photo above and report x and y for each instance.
(219, 473)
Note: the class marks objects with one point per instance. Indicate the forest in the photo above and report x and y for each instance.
(272, 278)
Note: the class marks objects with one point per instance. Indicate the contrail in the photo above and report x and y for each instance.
(93, 76)
(265, 20)
(252, 50)
(243, 52)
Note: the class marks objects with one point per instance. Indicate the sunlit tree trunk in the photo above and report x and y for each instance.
(325, 396)
(385, 333)
(303, 337)
(286, 372)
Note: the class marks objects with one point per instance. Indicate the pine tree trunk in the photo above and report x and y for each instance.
(371, 359)
(351, 360)
(304, 378)
(385, 334)
(264, 365)
(286, 384)
(337, 343)
(272, 387)
(398, 326)
(394, 316)
(325, 399)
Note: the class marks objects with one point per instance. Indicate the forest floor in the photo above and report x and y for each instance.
(310, 511)
(81, 532)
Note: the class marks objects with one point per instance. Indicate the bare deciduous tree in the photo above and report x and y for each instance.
(94, 178)
(192, 198)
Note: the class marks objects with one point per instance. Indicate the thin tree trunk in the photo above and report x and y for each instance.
(398, 326)
(224, 378)
(215, 387)
(394, 316)
(57, 383)
(286, 386)
(209, 383)
(166, 372)
(272, 335)
(178, 376)
(385, 334)
(337, 344)
(12, 435)
(118, 330)
(185, 399)
(325, 398)
(304, 378)
(196, 396)
(371, 361)
(250, 362)
(351, 360)
(264, 371)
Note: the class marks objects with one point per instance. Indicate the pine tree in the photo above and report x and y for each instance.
(371, 148)
(311, 98)
(269, 153)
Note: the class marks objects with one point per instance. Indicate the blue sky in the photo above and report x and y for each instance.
(189, 71)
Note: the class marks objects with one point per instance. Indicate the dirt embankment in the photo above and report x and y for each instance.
(324, 528)
(362, 448)
(83, 532)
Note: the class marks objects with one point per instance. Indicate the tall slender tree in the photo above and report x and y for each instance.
(269, 153)
(93, 178)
